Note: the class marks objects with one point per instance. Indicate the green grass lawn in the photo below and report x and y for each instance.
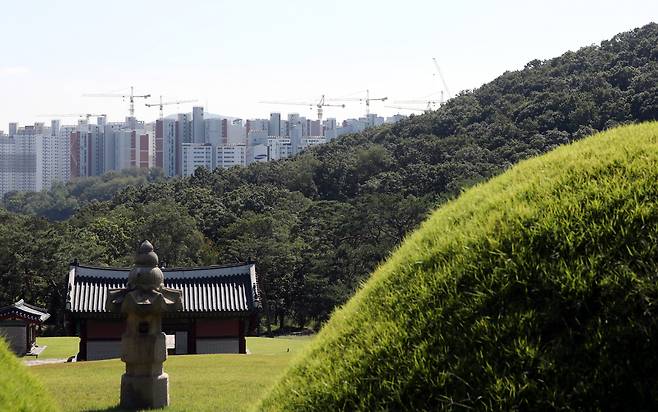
(196, 382)
(273, 346)
(58, 347)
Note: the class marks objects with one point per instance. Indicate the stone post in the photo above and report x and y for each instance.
(143, 344)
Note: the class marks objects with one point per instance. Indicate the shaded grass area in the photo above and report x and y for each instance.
(197, 382)
(19, 390)
(535, 291)
(60, 347)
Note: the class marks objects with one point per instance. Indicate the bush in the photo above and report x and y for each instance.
(19, 391)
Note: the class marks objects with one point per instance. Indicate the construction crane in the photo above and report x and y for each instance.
(131, 97)
(367, 99)
(416, 109)
(319, 105)
(429, 103)
(85, 115)
(443, 80)
(162, 104)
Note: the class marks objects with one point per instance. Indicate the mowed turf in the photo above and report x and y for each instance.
(196, 382)
(60, 347)
(537, 290)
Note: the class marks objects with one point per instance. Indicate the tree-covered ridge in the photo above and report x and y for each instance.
(62, 200)
(319, 223)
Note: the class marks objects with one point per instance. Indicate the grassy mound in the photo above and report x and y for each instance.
(19, 391)
(534, 291)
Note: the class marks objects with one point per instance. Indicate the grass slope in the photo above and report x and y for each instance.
(534, 291)
(196, 382)
(19, 391)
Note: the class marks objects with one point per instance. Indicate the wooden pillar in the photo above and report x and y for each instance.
(191, 337)
(32, 335)
(82, 350)
(27, 337)
(242, 342)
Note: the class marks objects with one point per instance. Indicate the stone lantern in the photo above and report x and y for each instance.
(143, 344)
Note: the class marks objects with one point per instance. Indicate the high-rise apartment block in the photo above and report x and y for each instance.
(21, 164)
(196, 155)
(275, 124)
(165, 146)
(227, 156)
(33, 157)
(198, 126)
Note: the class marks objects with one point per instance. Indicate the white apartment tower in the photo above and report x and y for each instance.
(184, 128)
(236, 134)
(196, 155)
(21, 164)
(257, 146)
(230, 155)
(165, 146)
(330, 129)
(275, 124)
(213, 131)
(56, 159)
(198, 126)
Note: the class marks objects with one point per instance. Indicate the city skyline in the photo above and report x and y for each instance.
(73, 119)
(34, 157)
(231, 56)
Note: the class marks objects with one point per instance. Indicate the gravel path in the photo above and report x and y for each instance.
(35, 362)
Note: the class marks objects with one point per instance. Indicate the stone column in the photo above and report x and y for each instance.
(143, 344)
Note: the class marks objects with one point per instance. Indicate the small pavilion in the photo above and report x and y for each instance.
(19, 323)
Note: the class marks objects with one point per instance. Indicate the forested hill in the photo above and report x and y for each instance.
(319, 223)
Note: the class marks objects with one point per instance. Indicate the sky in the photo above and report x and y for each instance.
(232, 55)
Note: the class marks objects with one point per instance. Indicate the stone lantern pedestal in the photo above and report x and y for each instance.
(143, 344)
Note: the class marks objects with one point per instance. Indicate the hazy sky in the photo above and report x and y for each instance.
(232, 54)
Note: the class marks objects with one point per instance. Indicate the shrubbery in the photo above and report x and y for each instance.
(19, 391)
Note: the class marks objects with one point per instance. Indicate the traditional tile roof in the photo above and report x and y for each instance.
(231, 288)
(25, 311)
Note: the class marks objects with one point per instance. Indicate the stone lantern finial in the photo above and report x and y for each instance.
(146, 275)
(143, 301)
(146, 256)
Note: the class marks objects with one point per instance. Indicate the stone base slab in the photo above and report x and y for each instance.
(144, 392)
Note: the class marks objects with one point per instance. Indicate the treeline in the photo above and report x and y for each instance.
(317, 224)
(63, 199)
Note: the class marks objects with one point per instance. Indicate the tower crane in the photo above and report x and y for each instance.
(162, 104)
(319, 105)
(131, 98)
(367, 99)
(415, 109)
(85, 115)
(429, 103)
(443, 80)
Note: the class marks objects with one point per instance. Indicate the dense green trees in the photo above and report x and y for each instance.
(318, 224)
(62, 200)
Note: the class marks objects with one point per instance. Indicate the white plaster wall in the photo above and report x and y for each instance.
(15, 337)
(181, 343)
(103, 349)
(229, 345)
